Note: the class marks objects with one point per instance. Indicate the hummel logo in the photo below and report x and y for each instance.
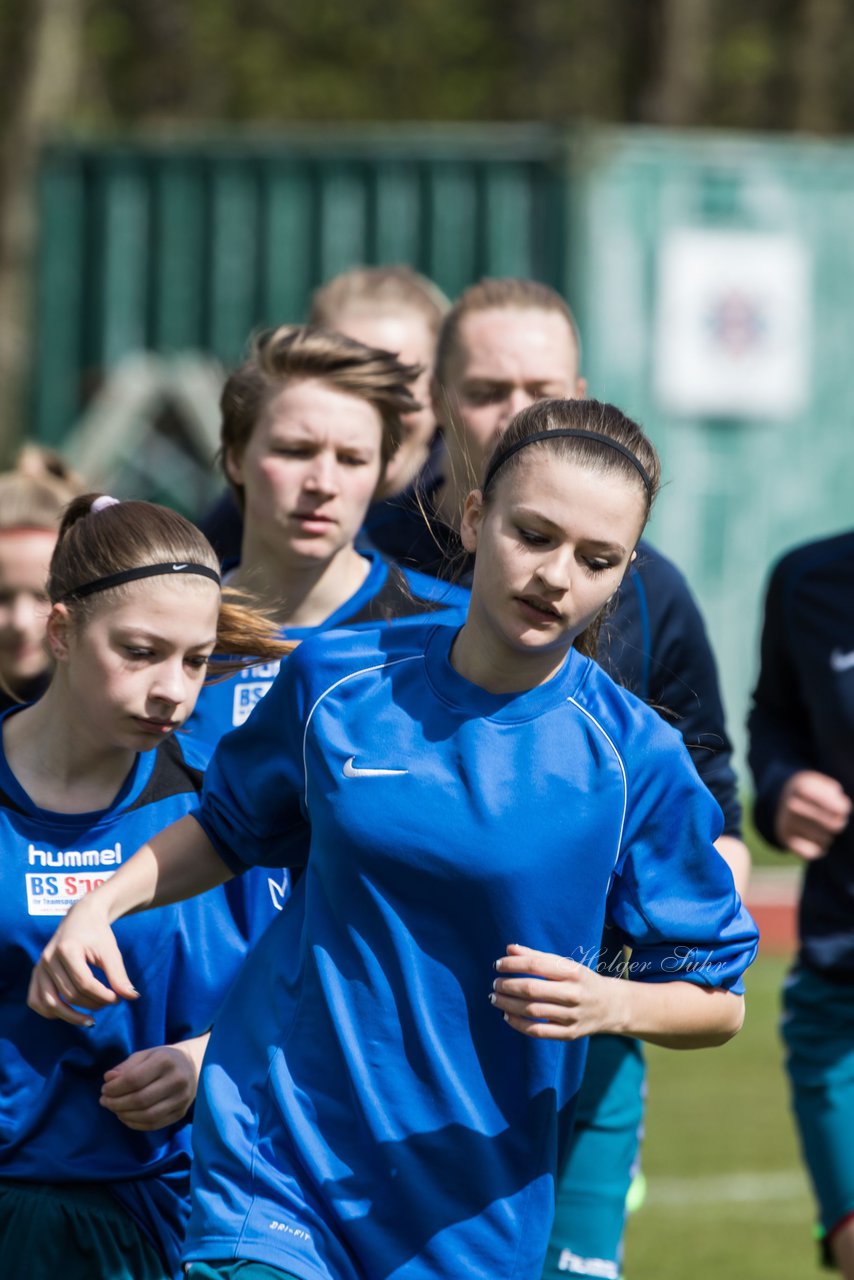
(840, 661)
(350, 771)
(178, 567)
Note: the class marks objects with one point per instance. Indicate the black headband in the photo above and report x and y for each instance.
(147, 571)
(499, 459)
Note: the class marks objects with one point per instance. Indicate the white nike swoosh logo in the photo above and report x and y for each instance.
(178, 567)
(350, 771)
(840, 661)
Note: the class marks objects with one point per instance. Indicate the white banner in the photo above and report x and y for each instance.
(733, 324)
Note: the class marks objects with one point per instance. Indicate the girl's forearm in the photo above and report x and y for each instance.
(678, 1015)
(194, 1050)
(551, 997)
(177, 863)
(736, 855)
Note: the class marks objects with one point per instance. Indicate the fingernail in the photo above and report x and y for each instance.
(90, 1022)
(492, 997)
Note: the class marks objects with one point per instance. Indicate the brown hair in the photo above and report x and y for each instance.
(294, 352)
(589, 452)
(131, 535)
(505, 293)
(380, 291)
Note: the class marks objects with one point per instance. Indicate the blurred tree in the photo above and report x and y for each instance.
(820, 30)
(679, 94)
(770, 64)
(115, 65)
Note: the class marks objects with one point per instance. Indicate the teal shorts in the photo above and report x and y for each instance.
(237, 1269)
(71, 1231)
(600, 1162)
(818, 1032)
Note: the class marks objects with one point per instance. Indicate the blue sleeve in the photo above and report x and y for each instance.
(450, 595)
(679, 675)
(672, 898)
(253, 807)
(779, 733)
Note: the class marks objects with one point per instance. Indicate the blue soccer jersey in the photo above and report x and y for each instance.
(182, 959)
(364, 1110)
(388, 594)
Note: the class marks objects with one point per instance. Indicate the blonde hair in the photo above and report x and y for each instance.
(379, 291)
(34, 494)
(510, 293)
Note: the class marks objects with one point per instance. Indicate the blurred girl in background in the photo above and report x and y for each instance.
(310, 422)
(32, 498)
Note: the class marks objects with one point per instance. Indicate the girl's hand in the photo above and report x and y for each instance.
(811, 812)
(63, 977)
(155, 1087)
(551, 998)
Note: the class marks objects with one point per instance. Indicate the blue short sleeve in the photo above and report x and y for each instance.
(672, 897)
(252, 807)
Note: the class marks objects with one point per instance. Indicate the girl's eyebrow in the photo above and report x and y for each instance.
(599, 543)
(485, 380)
(142, 633)
(605, 546)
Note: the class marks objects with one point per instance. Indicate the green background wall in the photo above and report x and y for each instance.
(188, 245)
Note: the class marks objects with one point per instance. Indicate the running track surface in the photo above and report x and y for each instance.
(772, 901)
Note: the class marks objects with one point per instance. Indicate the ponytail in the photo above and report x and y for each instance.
(245, 635)
(101, 540)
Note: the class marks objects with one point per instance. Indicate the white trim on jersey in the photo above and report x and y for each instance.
(619, 758)
(379, 666)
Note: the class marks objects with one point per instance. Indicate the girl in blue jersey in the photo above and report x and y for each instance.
(365, 1109)
(310, 423)
(94, 1130)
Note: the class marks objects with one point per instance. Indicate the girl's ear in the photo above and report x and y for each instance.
(233, 467)
(58, 632)
(472, 516)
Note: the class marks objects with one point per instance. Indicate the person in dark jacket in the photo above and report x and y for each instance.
(801, 754)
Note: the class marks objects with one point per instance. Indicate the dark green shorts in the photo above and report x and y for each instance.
(73, 1232)
(237, 1269)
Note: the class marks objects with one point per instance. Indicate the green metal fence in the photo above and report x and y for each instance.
(190, 245)
(740, 488)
